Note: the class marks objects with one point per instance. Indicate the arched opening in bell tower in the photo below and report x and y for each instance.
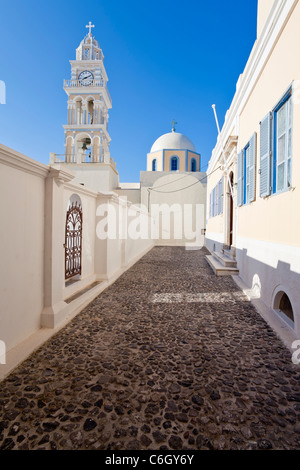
(84, 150)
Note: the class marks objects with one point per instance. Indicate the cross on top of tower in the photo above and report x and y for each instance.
(173, 125)
(90, 26)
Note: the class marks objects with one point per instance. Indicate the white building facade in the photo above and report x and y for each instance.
(254, 174)
(173, 191)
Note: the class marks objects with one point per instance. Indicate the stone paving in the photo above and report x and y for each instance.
(169, 357)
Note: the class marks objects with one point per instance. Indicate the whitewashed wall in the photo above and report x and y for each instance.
(34, 199)
(22, 201)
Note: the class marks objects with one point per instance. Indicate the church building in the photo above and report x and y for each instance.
(172, 189)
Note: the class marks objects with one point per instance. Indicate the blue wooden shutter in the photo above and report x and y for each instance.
(240, 179)
(221, 196)
(252, 167)
(265, 156)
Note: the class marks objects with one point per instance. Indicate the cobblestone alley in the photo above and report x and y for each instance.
(169, 357)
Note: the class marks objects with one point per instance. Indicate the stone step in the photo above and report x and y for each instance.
(219, 269)
(82, 292)
(228, 251)
(225, 259)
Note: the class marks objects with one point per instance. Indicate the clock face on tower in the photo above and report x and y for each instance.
(85, 78)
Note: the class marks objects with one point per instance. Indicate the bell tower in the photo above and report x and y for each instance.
(86, 133)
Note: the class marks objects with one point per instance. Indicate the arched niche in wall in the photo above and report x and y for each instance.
(282, 304)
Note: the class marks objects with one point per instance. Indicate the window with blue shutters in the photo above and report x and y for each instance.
(276, 148)
(265, 155)
(220, 197)
(216, 200)
(282, 155)
(246, 181)
(246, 188)
(252, 169)
(240, 179)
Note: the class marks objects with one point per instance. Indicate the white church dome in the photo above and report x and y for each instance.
(173, 141)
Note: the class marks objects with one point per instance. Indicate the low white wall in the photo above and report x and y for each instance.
(139, 237)
(118, 242)
(22, 202)
(34, 199)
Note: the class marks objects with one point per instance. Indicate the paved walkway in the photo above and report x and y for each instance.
(169, 357)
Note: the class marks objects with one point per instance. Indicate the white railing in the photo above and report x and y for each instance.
(65, 158)
(77, 83)
(95, 83)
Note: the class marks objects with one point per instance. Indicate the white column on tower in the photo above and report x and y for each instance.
(101, 146)
(70, 108)
(95, 111)
(73, 146)
(84, 113)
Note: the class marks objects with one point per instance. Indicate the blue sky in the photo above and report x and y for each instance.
(165, 60)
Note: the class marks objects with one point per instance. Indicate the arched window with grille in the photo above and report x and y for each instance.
(154, 165)
(193, 165)
(73, 240)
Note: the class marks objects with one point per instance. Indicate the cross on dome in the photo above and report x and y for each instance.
(90, 26)
(173, 125)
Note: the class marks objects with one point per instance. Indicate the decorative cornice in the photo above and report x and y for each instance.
(231, 143)
(98, 128)
(174, 150)
(61, 174)
(109, 195)
(79, 188)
